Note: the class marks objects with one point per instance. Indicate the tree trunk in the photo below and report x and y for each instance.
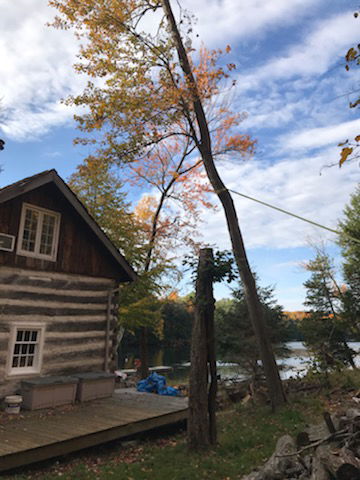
(144, 351)
(201, 421)
(276, 392)
(210, 336)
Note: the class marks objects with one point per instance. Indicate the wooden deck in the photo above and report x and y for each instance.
(43, 434)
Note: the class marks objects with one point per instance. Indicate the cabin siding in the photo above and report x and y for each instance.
(79, 250)
(74, 311)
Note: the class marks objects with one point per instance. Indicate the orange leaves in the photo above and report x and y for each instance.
(227, 140)
(141, 102)
(345, 153)
(143, 95)
(351, 54)
(207, 72)
(349, 150)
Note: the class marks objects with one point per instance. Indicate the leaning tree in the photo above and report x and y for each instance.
(148, 87)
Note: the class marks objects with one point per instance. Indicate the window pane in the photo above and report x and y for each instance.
(30, 227)
(47, 234)
(26, 349)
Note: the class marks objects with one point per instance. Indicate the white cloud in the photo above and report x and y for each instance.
(319, 137)
(221, 22)
(36, 69)
(295, 186)
(24, 124)
(291, 263)
(326, 44)
(37, 60)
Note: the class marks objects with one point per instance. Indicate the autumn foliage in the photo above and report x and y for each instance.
(138, 104)
(350, 148)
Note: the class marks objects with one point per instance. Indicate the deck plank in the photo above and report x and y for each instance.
(37, 436)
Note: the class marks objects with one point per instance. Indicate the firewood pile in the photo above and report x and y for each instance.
(330, 451)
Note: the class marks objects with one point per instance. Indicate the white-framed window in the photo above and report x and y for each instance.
(38, 232)
(25, 351)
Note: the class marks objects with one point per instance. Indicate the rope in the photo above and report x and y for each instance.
(303, 219)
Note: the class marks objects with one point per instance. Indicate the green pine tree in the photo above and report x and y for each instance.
(326, 326)
(350, 227)
(236, 341)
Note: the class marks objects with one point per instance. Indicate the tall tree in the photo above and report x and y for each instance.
(202, 430)
(326, 328)
(103, 195)
(158, 92)
(350, 227)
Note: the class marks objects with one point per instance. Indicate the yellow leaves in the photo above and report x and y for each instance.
(351, 54)
(348, 149)
(345, 152)
(145, 208)
(228, 49)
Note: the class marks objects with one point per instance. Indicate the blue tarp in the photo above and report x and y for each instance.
(156, 383)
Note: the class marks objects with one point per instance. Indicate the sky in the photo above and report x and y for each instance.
(291, 81)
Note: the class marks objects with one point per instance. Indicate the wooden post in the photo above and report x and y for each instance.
(202, 421)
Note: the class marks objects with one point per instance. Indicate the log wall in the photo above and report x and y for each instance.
(79, 249)
(74, 311)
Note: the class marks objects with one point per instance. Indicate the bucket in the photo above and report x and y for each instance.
(13, 403)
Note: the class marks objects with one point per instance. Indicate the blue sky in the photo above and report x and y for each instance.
(290, 79)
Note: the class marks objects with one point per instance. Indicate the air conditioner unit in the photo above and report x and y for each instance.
(7, 242)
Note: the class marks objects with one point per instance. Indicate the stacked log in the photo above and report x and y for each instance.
(333, 456)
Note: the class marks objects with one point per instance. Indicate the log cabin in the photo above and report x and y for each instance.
(59, 278)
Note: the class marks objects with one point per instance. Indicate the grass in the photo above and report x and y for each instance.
(247, 436)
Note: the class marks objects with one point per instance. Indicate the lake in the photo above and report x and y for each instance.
(294, 365)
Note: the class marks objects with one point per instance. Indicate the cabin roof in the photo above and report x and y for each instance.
(51, 176)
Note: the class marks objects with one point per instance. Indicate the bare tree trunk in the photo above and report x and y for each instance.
(144, 351)
(276, 392)
(211, 353)
(202, 420)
